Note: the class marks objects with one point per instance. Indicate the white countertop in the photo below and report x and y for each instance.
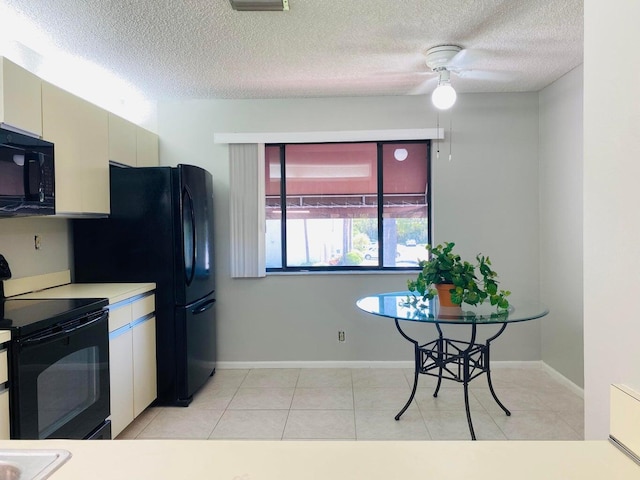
(310, 460)
(115, 292)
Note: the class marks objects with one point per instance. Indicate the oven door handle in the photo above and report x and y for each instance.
(52, 336)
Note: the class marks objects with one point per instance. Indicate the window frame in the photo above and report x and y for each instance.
(380, 210)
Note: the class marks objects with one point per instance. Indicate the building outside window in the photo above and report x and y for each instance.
(347, 206)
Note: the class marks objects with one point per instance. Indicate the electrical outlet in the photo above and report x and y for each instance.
(37, 242)
(341, 337)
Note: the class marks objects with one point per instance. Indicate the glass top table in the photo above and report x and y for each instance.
(395, 305)
(445, 357)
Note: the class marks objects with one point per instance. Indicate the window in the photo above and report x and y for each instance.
(347, 206)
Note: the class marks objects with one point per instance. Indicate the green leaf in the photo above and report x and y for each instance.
(491, 288)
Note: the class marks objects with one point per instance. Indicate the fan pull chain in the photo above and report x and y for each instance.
(437, 135)
(450, 135)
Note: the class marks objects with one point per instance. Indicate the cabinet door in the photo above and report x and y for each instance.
(121, 378)
(60, 115)
(5, 433)
(20, 98)
(144, 365)
(94, 158)
(79, 131)
(122, 140)
(147, 148)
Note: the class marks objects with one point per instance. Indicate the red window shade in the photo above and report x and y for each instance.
(341, 180)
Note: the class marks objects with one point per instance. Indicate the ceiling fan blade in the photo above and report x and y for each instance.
(425, 87)
(485, 75)
(459, 60)
(466, 59)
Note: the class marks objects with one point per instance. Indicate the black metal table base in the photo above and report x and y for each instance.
(456, 360)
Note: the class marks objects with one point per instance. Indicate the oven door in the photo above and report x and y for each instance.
(60, 380)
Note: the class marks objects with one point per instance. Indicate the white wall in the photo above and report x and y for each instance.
(561, 165)
(486, 200)
(611, 199)
(17, 245)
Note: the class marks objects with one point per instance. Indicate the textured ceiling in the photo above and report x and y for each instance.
(205, 49)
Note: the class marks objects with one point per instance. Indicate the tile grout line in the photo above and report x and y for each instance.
(286, 421)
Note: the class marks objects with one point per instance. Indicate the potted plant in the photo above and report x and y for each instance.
(445, 272)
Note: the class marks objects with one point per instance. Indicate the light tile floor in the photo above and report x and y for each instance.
(360, 404)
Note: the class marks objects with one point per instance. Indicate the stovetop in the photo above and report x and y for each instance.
(24, 317)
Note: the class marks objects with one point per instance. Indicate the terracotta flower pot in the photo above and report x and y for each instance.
(444, 295)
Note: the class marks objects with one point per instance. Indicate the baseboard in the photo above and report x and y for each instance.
(316, 364)
(224, 365)
(563, 380)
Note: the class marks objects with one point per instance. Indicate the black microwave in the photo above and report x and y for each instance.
(27, 177)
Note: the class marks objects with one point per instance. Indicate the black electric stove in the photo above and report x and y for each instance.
(24, 317)
(58, 367)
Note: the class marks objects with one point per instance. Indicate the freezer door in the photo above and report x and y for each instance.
(196, 206)
(201, 343)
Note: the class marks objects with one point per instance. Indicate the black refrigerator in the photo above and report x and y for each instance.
(161, 230)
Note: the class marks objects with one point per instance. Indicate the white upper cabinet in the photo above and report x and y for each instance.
(20, 98)
(122, 140)
(80, 132)
(132, 145)
(147, 148)
(85, 138)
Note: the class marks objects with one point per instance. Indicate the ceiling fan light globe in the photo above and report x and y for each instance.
(443, 97)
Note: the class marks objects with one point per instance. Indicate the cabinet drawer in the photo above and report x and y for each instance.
(4, 370)
(143, 307)
(118, 317)
(5, 336)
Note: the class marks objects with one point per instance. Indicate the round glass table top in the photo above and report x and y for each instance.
(396, 305)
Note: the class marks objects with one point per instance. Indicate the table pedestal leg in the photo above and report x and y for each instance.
(440, 360)
(416, 373)
(466, 403)
(493, 393)
(466, 374)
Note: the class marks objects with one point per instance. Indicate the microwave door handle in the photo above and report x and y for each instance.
(32, 181)
(188, 200)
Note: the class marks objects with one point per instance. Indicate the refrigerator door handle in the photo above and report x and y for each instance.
(190, 252)
(204, 307)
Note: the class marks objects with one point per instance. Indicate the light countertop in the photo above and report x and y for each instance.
(295, 460)
(115, 292)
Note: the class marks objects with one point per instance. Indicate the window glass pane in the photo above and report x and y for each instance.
(329, 189)
(331, 214)
(405, 208)
(273, 245)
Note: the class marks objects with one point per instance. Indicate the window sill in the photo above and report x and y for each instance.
(349, 272)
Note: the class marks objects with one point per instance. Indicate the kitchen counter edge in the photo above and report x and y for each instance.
(289, 460)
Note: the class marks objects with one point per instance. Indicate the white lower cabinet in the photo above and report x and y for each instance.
(5, 433)
(121, 376)
(132, 360)
(5, 338)
(145, 386)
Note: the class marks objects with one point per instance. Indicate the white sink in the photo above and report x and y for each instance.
(34, 464)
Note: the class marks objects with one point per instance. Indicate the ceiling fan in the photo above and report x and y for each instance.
(445, 60)
(440, 60)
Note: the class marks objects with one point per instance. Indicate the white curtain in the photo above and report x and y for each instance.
(247, 205)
